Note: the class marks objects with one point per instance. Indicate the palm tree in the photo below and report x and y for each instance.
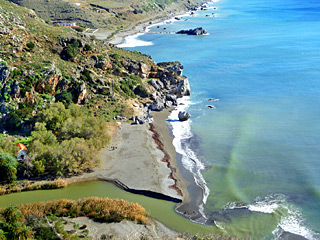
(26, 233)
(13, 222)
(13, 214)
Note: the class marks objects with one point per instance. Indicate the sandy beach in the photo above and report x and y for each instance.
(135, 161)
(139, 27)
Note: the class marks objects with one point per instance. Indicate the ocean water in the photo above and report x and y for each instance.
(257, 154)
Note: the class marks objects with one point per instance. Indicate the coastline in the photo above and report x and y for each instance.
(117, 38)
(141, 27)
(173, 180)
(138, 164)
(186, 182)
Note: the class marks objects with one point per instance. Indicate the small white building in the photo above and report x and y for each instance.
(68, 24)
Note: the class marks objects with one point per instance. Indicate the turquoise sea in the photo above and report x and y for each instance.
(258, 151)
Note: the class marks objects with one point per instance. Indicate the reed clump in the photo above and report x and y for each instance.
(101, 209)
(58, 183)
(2, 190)
(31, 186)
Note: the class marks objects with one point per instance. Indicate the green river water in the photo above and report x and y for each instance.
(161, 210)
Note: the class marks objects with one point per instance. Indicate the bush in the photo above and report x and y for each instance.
(8, 168)
(141, 91)
(59, 183)
(87, 47)
(70, 51)
(30, 45)
(86, 75)
(64, 97)
(102, 209)
(2, 191)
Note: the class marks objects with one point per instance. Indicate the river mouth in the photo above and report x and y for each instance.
(161, 210)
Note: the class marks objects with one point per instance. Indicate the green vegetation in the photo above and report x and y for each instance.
(8, 167)
(64, 97)
(101, 209)
(13, 226)
(43, 220)
(70, 51)
(30, 45)
(66, 140)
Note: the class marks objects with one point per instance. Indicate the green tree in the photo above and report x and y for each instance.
(43, 135)
(54, 116)
(8, 167)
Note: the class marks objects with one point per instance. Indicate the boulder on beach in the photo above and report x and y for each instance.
(183, 116)
(196, 31)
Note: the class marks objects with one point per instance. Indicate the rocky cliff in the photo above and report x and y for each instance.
(42, 64)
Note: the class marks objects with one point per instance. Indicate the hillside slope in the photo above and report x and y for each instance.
(106, 14)
(61, 87)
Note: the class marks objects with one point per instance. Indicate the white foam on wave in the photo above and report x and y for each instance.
(269, 204)
(134, 41)
(291, 219)
(295, 223)
(182, 133)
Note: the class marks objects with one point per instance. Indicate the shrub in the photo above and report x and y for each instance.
(8, 168)
(30, 45)
(87, 47)
(70, 51)
(58, 183)
(2, 191)
(102, 209)
(141, 91)
(64, 97)
(86, 75)
(78, 29)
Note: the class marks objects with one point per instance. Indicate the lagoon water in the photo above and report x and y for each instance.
(260, 146)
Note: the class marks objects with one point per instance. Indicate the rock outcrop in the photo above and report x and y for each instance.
(183, 116)
(4, 72)
(167, 85)
(196, 31)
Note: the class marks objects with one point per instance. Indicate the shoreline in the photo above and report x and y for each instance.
(153, 170)
(183, 182)
(119, 37)
(141, 27)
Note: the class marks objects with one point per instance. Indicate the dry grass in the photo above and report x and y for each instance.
(31, 186)
(2, 190)
(58, 183)
(101, 209)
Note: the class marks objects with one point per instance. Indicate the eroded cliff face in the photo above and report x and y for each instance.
(42, 64)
